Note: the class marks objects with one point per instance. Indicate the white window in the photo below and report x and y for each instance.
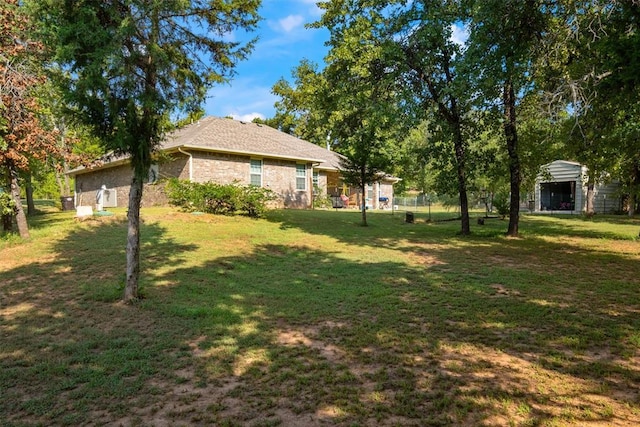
(256, 172)
(316, 178)
(301, 177)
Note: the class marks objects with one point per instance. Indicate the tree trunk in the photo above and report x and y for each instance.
(21, 218)
(591, 195)
(62, 179)
(66, 182)
(635, 183)
(31, 207)
(511, 135)
(363, 188)
(133, 240)
(7, 220)
(465, 227)
(7, 223)
(59, 182)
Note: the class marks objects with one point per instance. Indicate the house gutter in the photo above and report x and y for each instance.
(190, 162)
(251, 153)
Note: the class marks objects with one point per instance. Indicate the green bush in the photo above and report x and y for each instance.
(219, 199)
(254, 200)
(320, 198)
(7, 204)
(501, 203)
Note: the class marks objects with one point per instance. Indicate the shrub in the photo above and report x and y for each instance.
(7, 204)
(320, 198)
(253, 200)
(501, 203)
(220, 199)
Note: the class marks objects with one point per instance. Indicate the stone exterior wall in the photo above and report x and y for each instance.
(118, 179)
(220, 167)
(277, 175)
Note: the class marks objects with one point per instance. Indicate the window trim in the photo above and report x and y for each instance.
(298, 177)
(252, 173)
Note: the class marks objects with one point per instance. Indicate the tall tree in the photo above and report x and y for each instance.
(504, 35)
(592, 71)
(427, 57)
(360, 105)
(349, 106)
(418, 51)
(127, 65)
(297, 111)
(22, 138)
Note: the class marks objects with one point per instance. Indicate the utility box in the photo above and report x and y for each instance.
(409, 218)
(110, 198)
(67, 203)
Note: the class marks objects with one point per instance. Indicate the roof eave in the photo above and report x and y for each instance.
(105, 165)
(245, 153)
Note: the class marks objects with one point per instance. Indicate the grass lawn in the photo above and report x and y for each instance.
(307, 319)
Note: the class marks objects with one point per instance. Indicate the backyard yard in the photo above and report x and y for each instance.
(305, 318)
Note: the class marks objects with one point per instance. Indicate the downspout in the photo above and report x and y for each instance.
(190, 162)
(75, 193)
(313, 189)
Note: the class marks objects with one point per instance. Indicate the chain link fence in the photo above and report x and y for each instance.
(411, 203)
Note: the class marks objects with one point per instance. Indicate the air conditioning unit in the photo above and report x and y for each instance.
(110, 198)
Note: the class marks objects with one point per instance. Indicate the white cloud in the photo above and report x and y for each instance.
(243, 99)
(248, 117)
(459, 34)
(288, 23)
(314, 10)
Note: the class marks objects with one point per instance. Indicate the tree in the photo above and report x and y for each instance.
(22, 137)
(418, 53)
(126, 66)
(348, 106)
(415, 163)
(592, 72)
(504, 36)
(363, 124)
(359, 103)
(297, 111)
(75, 143)
(426, 59)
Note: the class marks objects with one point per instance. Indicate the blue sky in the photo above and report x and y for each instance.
(283, 43)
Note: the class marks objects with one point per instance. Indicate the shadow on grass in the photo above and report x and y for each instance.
(344, 226)
(493, 331)
(301, 333)
(68, 346)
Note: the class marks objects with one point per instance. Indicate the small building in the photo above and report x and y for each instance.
(561, 187)
(225, 151)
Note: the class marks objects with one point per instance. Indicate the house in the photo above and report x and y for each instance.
(561, 187)
(225, 151)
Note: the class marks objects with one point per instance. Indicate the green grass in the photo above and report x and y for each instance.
(307, 318)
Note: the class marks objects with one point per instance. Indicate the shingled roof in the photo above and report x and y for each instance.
(232, 136)
(236, 137)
